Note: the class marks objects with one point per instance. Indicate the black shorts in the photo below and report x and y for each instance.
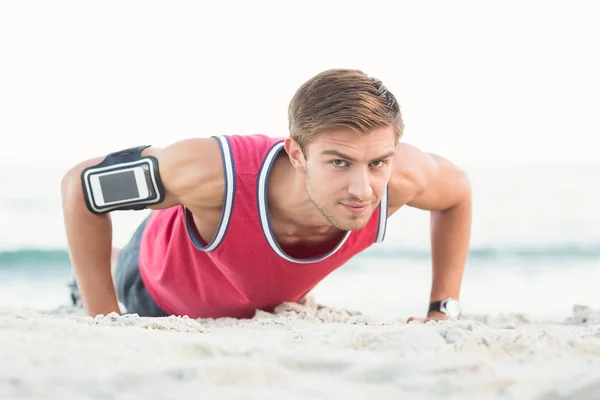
(130, 288)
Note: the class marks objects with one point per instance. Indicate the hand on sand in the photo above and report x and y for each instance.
(432, 316)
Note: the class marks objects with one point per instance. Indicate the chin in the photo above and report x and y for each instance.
(352, 227)
(351, 224)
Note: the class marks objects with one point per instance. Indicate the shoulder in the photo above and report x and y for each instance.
(425, 180)
(412, 169)
(252, 146)
(191, 171)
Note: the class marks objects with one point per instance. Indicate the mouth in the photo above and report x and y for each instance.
(355, 208)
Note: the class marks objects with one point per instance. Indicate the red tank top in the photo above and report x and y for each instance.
(243, 268)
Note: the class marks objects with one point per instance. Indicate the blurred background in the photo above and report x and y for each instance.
(509, 91)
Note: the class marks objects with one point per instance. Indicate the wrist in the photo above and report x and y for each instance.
(437, 315)
(449, 307)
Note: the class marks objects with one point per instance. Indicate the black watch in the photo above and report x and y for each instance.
(449, 306)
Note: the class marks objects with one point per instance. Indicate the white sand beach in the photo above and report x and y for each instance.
(507, 91)
(299, 352)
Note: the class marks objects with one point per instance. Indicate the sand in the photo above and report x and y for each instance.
(298, 352)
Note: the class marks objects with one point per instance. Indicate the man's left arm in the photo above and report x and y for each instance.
(446, 192)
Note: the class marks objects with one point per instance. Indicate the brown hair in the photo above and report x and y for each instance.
(342, 98)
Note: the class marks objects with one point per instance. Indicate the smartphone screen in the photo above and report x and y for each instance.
(119, 186)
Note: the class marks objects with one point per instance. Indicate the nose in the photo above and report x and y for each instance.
(360, 186)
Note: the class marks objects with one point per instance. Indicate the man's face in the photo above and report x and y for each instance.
(347, 173)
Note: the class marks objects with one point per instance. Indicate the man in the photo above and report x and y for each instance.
(241, 223)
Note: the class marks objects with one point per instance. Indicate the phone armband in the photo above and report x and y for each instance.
(124, 180)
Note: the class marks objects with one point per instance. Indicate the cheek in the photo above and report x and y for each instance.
(317, 173)
(325, 181)
(381, 182)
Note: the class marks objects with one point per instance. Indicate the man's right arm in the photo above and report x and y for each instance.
(191, 174)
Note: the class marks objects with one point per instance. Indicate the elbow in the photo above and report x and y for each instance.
(464, 192)
(460, 193)
(71, 186)
(465, 184)
(71, 181)
(72, 189)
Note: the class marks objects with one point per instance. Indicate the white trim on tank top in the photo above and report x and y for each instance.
(229, 170)
(266, 223)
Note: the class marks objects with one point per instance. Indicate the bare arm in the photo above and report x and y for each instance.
(185, 168)
(437, 185)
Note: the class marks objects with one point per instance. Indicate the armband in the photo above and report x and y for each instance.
(124, 180)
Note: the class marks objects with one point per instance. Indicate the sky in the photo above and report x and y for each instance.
(478, 82)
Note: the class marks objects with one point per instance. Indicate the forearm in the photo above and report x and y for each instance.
(450, 235)
(89, 238)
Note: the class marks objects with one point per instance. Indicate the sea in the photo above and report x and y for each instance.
(534, 250)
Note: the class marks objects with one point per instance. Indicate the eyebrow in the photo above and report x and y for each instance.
(339, 154)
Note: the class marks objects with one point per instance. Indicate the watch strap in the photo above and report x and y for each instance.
(435, 306)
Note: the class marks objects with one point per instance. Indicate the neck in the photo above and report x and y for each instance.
(293, 215)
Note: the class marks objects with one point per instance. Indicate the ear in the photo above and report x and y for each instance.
(295, 153)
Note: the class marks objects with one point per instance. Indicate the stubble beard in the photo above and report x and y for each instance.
(353, 223)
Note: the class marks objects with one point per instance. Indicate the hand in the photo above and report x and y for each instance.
(431, 316)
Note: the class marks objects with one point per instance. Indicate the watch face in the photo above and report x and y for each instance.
(452, 308)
